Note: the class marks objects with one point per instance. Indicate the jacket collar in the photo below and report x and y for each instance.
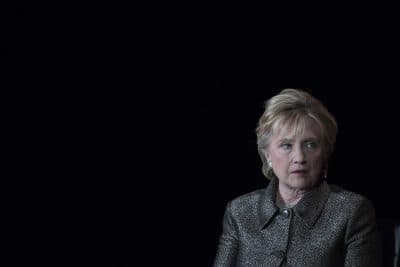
(308, 209)
(268, 208)
(311, 205)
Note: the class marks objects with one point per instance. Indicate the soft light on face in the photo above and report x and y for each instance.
(297, 159)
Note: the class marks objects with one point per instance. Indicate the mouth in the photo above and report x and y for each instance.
(299, 171)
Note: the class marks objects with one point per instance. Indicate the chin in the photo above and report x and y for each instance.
(303, 183)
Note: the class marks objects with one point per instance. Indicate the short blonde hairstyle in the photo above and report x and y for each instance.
(291, 107)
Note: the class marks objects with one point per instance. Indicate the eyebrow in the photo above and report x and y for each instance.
(311, 139)
(304, 140)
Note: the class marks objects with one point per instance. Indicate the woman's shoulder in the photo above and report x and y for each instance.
(346, 198)
(247, 199)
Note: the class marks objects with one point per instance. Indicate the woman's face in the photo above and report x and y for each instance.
(297, 160)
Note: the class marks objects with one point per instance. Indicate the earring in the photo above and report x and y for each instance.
(270, 163)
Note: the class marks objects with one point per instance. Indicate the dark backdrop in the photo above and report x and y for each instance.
(132, 134)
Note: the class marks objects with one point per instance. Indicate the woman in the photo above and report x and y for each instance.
(298, 220)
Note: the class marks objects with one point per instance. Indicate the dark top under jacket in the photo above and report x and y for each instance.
(328, 227)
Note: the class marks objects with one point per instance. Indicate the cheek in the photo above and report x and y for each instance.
(317, 161)
(281, 160)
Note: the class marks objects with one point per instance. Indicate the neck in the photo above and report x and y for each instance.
(289, 196)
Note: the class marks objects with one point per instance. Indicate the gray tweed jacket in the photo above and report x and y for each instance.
(328, 227)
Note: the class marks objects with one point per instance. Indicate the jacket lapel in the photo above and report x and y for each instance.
(311, 205)
(268, 208)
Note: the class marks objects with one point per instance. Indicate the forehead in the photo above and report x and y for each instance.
(303, 127)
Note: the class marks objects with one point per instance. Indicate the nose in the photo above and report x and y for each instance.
(299, 156)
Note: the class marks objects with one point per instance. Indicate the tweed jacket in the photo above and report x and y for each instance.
(328, 227)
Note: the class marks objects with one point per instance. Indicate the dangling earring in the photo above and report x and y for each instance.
(270, 163)
(325, 174)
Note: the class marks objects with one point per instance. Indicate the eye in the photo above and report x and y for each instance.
(311, 145)
(286, 146)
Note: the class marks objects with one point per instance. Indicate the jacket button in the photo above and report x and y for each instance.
(285, 213)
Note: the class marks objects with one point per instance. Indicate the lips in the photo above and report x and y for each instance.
(299, 171)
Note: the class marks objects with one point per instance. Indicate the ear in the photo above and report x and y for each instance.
(325, 168)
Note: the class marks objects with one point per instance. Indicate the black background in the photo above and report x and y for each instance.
(133, 131)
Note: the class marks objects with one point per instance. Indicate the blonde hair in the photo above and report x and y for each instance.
(291, 107)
